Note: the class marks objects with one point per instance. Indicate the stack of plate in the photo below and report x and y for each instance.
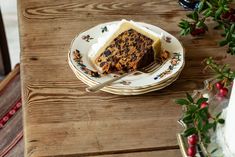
(138, 83)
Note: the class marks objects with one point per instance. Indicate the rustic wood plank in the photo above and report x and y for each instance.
(95, 135)
(140, 153)
(61, 119)
(165, 153)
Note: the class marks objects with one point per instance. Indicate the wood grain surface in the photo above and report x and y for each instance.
(62, 119)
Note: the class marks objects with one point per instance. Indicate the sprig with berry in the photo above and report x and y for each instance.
(217, 10)
(224, 75)
(196, 116)
(222, 72)
(199, 124)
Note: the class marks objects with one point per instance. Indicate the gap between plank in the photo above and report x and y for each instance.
(128, 151)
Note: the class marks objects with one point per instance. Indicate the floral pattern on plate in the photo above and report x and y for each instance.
(125, 82)
(104, 29)
(87, 38)
(174, 62)
(78, 58)
(167, 39)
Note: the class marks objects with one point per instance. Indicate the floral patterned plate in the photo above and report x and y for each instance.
(79, 61)
(128, 91)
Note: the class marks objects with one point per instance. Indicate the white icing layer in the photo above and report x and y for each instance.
(102, 40)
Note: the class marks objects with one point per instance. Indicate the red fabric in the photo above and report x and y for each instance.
(11, 132)
(10, 113)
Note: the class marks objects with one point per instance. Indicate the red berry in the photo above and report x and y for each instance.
(232, 18)
(232, 11)
(223, 91)
(219, 85)
(198, 31)
(204, 104)
(226, 15)
(192, 151)
(192, 140)
(194, 33)
(201, 31)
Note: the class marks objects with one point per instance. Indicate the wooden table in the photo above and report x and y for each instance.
(61, 119)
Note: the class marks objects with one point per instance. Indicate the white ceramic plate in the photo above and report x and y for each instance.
(118, 91)
(132, 91)
(85, 40)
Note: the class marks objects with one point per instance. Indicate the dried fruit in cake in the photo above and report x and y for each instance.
(129, 48)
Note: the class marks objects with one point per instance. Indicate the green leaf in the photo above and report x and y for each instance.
(208, 126)
(182, 32)
(203, 112)
(187, 31)
(206, 11)
(199, 24)
(192, 109)
(226, 8)
(200, 122)
(233, 35)
(182, 102)
(195, 16)
(228, 36)
(184, 24)
(223, 42)
(190, 16)
(218, 12)
(232, 50)
(209, 13)
(232, 28)
(190, 131)
(207, 139)
(214, 150)
(233, 38)
(214, 127)
(201, 6)
(204, 26)
(189, 97)
(201, 100)
(231, 44)
(218, 115)
(221, 121)
(209, 4)
(181, 25)
(187, 119)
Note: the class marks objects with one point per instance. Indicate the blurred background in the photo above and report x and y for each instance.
(9, 11)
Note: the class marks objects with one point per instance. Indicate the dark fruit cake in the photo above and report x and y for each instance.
(130, 48)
